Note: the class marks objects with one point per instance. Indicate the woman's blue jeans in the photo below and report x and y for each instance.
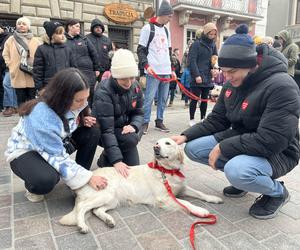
(245, 172)
(9, 96)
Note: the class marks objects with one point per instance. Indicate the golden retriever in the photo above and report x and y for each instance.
(144, 185)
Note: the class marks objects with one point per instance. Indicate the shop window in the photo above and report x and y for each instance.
(63, 22)
(9, 21)
(120, 36)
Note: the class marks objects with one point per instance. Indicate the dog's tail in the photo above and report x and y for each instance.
(69, 219)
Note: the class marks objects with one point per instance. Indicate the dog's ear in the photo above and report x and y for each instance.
(180, 155)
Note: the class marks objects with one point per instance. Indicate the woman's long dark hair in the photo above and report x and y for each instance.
(59, 93)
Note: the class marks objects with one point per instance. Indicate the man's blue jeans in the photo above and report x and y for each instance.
(248, 173)
(9, 96)
(162, 88)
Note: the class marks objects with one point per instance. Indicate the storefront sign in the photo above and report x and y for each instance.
(120, 13)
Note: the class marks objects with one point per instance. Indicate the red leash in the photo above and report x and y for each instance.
(177, 172)
(183, 89)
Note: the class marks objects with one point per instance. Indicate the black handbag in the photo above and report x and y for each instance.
(26, 69)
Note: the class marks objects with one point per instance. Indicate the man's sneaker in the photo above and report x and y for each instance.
(145, 128)
(9, 111)
(160, 126)
(192, 123)
(267, 207)
(233, 192)
(34, 197)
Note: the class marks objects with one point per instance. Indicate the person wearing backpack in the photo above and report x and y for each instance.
(154, 52)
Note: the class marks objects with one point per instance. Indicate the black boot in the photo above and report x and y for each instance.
(103, 161)
(233, 192)
(160, 126)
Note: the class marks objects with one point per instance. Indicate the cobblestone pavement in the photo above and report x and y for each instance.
(24, 225)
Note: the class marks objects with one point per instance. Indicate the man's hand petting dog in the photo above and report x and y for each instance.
(213, 156)
(179, 139)
(122, 169)
(98, 182)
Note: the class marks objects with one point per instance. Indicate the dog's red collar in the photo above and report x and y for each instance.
(172, 172)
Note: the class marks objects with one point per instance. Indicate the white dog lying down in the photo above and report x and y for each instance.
(143, 186)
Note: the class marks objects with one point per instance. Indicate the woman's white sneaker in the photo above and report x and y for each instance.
(192, 122)
(34, 197)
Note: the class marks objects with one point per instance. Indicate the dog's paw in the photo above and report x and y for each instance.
(201, 212)
(110, 222)
(83, 229)
(217, 200)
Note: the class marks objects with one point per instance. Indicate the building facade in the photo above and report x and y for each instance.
(191, 15)
(284, 15)
(121, 29)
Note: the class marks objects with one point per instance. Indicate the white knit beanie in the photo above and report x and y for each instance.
(123, 64)
(24, 20)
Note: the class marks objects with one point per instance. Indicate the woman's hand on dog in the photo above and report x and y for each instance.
(179, 139)
(98, 182)
(122, 168)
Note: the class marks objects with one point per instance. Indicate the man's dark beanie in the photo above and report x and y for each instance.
(165, 9)
(50, 27)
(239, 50)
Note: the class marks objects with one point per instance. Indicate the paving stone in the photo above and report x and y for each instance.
(5, 200)
(142, 223)
(295, 197)
(119, 239)
(6, 238)
(60, 207)
(5, 179)
(5, 171)
(5, 217)
(76, 241)
(19, 197)
(126, 211)
(158, 211)
(59, 229)
(178, 223)
(259, 229)
(291, 210)
(203, 241)
(28, 209)
(160, 239)
(31, 226)
(99, 227)
(241, 241)
(40, 241)
(5, 189)
(282, 241)
(286, 224)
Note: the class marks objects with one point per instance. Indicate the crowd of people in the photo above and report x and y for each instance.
(75, 92)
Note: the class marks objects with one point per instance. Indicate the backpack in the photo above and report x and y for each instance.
(151, 36)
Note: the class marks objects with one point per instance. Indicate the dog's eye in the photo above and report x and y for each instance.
(168, 143)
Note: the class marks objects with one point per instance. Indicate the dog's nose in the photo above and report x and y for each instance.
(156, 148)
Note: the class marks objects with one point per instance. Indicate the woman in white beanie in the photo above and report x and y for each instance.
(118, 107)
(18, 54)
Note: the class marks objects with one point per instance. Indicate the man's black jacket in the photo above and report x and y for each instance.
(259, 118)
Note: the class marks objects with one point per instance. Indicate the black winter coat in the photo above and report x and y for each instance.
(102, 44)
(114, 108)
(49, 59)
(199, 58)
(85, 55)
(3, 37)
(259, 118)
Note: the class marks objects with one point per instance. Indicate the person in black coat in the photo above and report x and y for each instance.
(84, 52)
(200, 66)
(252, 133)
(102, 44)
(118, 107)
(52, 56)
